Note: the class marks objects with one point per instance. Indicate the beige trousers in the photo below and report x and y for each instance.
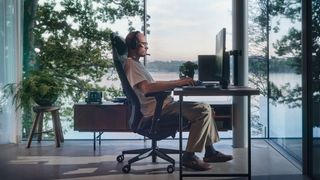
(203, 130)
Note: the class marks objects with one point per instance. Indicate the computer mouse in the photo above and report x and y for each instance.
(198, 83)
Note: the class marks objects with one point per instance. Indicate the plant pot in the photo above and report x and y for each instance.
(46, 101)
(43, 89)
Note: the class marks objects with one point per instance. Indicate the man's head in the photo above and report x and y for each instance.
(137, 44)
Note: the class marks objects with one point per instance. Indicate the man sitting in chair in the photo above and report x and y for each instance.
(203, 132)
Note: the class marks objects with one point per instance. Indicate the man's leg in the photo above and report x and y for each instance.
(203, 130)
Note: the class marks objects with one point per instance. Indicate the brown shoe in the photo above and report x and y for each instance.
(219, 157)
(196, 164)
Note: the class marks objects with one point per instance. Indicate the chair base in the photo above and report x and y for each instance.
(154, 152)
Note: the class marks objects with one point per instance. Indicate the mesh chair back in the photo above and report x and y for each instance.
(119, 51)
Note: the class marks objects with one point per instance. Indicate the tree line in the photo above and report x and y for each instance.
(276, 65)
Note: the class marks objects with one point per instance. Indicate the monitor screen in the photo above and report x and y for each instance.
(222, 60)
(220, 49)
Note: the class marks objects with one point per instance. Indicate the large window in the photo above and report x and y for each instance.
(71, 40)
(258, 70)
(285, 74)
(275, 60)
(182, 30)
(175, 36)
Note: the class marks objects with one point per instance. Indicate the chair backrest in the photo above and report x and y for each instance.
(119, 51)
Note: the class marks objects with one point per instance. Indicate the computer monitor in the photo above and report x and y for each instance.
(208, 69)
(216, 68)
(222, 58)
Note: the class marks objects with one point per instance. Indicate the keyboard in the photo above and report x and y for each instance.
(211, 83)
(199, 85)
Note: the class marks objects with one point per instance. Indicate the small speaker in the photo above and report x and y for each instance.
(94, 97)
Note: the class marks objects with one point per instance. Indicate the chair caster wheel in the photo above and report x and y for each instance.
(120, 158)
(126, 168)
(170, 169)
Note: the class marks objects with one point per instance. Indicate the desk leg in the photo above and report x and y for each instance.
(94, 140)
(99, 136)
(249, 138)
(180, 136)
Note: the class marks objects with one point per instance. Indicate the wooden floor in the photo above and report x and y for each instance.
(77, 160)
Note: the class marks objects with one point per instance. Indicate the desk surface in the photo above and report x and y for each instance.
(104, 103)
(231, 91)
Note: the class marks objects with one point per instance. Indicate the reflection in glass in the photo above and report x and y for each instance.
(258, 59)
(275, 68)
(285, 113)
(316, 88)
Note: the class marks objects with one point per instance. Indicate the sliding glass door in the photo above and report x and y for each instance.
(285, 80)
(315, 147)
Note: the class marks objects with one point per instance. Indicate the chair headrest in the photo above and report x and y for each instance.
(119, 44)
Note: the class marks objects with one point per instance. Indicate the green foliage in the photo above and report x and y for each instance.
(39, 87)
(72, 44)
(187, 69)
(113, 92)
(42, 86)
(69, 39)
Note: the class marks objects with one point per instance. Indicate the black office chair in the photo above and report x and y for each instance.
(155, 128)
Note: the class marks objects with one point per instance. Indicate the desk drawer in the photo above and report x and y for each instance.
(223, 116)
(105, 117)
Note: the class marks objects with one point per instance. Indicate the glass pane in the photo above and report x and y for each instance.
(257, 55)
(182, 30)
(316, 88)
(178, 35)
(285, 76)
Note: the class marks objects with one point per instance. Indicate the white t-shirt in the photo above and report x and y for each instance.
(136, 73)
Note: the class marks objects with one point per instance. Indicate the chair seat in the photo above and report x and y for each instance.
(166, 127)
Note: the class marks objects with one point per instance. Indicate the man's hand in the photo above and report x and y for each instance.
(186, 82)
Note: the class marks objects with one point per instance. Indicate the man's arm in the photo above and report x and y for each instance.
(147, 87)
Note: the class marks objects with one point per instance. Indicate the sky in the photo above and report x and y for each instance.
(184, 29)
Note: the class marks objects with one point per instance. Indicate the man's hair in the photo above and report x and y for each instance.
(132, 40)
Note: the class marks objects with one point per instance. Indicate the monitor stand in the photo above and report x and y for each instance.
(224, 83)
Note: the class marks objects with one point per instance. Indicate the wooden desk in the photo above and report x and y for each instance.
(106, 117)
(231, 91)
(113, 117)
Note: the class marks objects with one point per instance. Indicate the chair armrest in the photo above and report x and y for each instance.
(159, 93)
(160, 97)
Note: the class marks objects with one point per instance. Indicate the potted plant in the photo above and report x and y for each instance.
(39, 87)
(187, 69)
